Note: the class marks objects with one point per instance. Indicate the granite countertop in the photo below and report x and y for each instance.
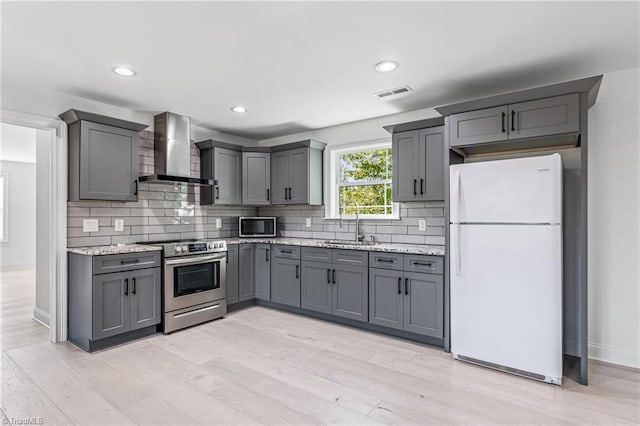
(117, 249)
(382, 247)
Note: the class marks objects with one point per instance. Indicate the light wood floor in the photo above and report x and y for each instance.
(260, 366)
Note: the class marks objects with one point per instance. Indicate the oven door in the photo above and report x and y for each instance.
(193, 280)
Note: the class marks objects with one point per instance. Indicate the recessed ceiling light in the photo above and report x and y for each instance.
(238, 108)
(123, 71)
(386, 66)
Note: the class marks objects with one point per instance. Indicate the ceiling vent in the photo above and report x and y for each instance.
(390, 93)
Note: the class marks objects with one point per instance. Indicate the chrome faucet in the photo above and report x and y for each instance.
(358, 236)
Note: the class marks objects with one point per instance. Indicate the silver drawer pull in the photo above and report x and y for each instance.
(196, 311)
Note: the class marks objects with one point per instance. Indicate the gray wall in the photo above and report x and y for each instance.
(19, 251)
(161, 212)
(291, 223)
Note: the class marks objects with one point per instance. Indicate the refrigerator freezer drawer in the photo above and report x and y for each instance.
(506, 296)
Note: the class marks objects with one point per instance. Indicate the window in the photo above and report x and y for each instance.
(4, 220)
(361, 174)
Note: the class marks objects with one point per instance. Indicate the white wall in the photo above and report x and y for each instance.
(43, 218)
(614, 218)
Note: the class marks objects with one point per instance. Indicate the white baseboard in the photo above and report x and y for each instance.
(614, 355)
(41, 316)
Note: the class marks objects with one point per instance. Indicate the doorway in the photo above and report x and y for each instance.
(32, 213)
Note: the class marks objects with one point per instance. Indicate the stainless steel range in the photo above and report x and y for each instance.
(194, 282)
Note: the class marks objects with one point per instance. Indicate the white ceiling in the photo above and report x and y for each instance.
(302, 65)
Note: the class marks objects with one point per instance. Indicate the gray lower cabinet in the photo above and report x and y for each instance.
(537, 118)
(232, 274)
(103, 157)
(246, 272)
(409, 301)
(263, 271)
(337, 286)
(285, 281)
(256, 178)
(110, 308)
(418, 164)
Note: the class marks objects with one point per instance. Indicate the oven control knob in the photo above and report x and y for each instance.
(184, 248)
(178, 249)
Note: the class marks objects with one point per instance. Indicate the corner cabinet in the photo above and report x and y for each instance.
(232, 274)
(418, 164)
(263, 272)
(113, 298)
(296, 173)
(103, 157)
(223, 163)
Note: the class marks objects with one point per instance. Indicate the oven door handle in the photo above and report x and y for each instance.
(195, 260)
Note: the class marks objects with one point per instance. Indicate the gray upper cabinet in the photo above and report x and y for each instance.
(246, 272)
(256, 178)
(144, 298)
(386, 298)
(544, 117)
(103, 157)
(316, 286)
(222, 163)
(485, 125)
(110, 304)
(296, 173)
(232, 274)
(418, 165)
(285, 281)
(263, 271)
(423, 304)
(537, 118)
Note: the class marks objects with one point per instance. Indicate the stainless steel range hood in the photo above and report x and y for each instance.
(172, 151)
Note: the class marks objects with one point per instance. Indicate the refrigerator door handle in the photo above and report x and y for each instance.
(458, 250)
(456, 198)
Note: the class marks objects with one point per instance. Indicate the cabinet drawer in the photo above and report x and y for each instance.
(125, 262)
(392, 261)
(315, 254)
(288, 252)
(350, 257)
(425, 264)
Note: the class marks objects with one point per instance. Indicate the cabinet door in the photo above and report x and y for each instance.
(256, 178)
(403, 151)
(350, 292)
(263, 271)
(424, 304)
(280, 164)
(108, 163)
(285, 281)
(246, 272)
(232, 274)
(299, 177)
(386, 298)
(316, 286)
(144, 298)
(227, 171)
(431, 183)
(484, 125)
(110, 304)
(544, 117)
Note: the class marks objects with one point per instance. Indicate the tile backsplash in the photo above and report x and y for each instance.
(291, 223)
(162, 211)
(173, 212)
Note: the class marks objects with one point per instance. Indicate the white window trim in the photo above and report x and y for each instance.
(332, 155)
(5, 205)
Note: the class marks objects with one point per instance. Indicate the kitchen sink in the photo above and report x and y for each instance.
(350, 243)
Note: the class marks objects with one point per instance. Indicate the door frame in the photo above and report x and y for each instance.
(57, 130)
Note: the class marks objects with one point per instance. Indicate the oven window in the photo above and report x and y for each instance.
(196, 278)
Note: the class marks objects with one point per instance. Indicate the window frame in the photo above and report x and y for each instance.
(332, 181)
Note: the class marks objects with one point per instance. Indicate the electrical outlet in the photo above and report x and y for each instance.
(422, 225)
(90, 225)
(218, 223)
(119, 224)
(308, 222)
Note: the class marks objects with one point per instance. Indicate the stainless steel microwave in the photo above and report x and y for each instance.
(257, 227)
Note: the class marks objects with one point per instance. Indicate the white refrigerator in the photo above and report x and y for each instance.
(506, 265)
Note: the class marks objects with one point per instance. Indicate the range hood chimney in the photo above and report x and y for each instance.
(172, 151)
